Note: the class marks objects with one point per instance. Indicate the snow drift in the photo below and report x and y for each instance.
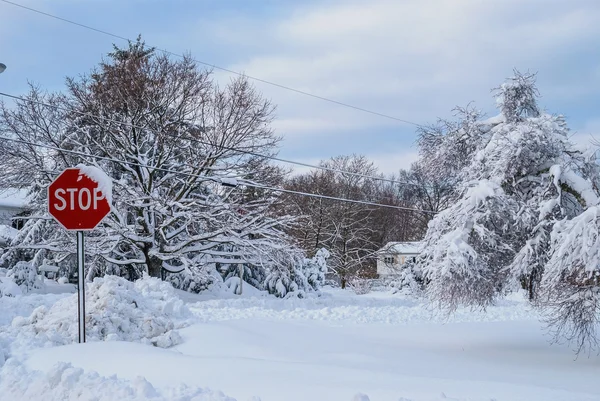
(146, 311)
(64, 383)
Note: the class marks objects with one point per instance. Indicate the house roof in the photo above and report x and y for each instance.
(402, 247)
(7, 233)
(15, 198)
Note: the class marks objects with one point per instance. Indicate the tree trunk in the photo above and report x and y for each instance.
(154, 265)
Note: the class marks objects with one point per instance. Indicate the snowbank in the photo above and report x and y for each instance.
(65, 383)
(146, 311)
(343, 306)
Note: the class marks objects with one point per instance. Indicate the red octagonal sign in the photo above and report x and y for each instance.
(76, 200)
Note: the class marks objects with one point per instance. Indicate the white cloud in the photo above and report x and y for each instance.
(390, 163)
(411, 59)
(588, 134)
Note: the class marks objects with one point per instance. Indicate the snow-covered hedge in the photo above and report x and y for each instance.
(146, 311)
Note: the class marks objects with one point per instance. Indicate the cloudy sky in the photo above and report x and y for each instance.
(411, 59)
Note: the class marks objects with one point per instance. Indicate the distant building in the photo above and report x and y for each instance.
(13, 203)
(392, 257)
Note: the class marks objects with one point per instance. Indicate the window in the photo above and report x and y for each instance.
(388, 260)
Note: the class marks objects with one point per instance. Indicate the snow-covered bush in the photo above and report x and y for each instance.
(146, 311)
(285, 276)
(409, 281)
(24, 274)
(285, 281)
(194, 280)
(315, 268)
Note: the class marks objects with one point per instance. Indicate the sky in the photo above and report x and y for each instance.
(414, 60)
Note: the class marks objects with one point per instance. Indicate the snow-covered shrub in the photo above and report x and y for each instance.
(284, 281)
(196, 280)
(146, 311)
(24, 274)
(315, 268)
(410, 280)
(290, 273)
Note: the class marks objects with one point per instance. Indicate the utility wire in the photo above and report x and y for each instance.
(288, 88)
(215, 179)
(325, 168)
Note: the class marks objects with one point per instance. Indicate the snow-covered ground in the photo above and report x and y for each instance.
(329, 348)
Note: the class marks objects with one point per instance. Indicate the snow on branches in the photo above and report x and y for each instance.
(467, 246)
(165, 133)
(527, 212)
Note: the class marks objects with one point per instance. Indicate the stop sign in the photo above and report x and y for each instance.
(76, 200)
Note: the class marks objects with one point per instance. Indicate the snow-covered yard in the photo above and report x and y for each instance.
(329, 348)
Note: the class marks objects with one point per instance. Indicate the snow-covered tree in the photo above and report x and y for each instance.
(315, 268)
(25, 275)
(468, 246)
(167, 135)
(344, 228)
(524, 190)
(570, 288)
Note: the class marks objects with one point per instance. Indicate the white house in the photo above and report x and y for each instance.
(12, 203)
(394, 255)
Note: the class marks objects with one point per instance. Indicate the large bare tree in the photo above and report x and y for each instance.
(343, 228)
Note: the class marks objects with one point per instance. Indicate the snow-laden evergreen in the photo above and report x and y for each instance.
(526, 195)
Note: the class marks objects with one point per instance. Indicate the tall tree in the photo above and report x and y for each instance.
(344, 229)
(166, 133)
(523, 188)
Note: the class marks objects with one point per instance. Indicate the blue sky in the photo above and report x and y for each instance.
(412, 59)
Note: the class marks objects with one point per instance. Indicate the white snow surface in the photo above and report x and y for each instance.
(63, 382)
(100, 177)
(8, 288)
(337, 347)
(146, 311)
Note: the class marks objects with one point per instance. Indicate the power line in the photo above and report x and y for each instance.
(325, 168)
(215, 179)
(288, 88)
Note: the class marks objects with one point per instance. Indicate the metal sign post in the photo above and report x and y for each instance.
(81, 286)
(76, 202)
